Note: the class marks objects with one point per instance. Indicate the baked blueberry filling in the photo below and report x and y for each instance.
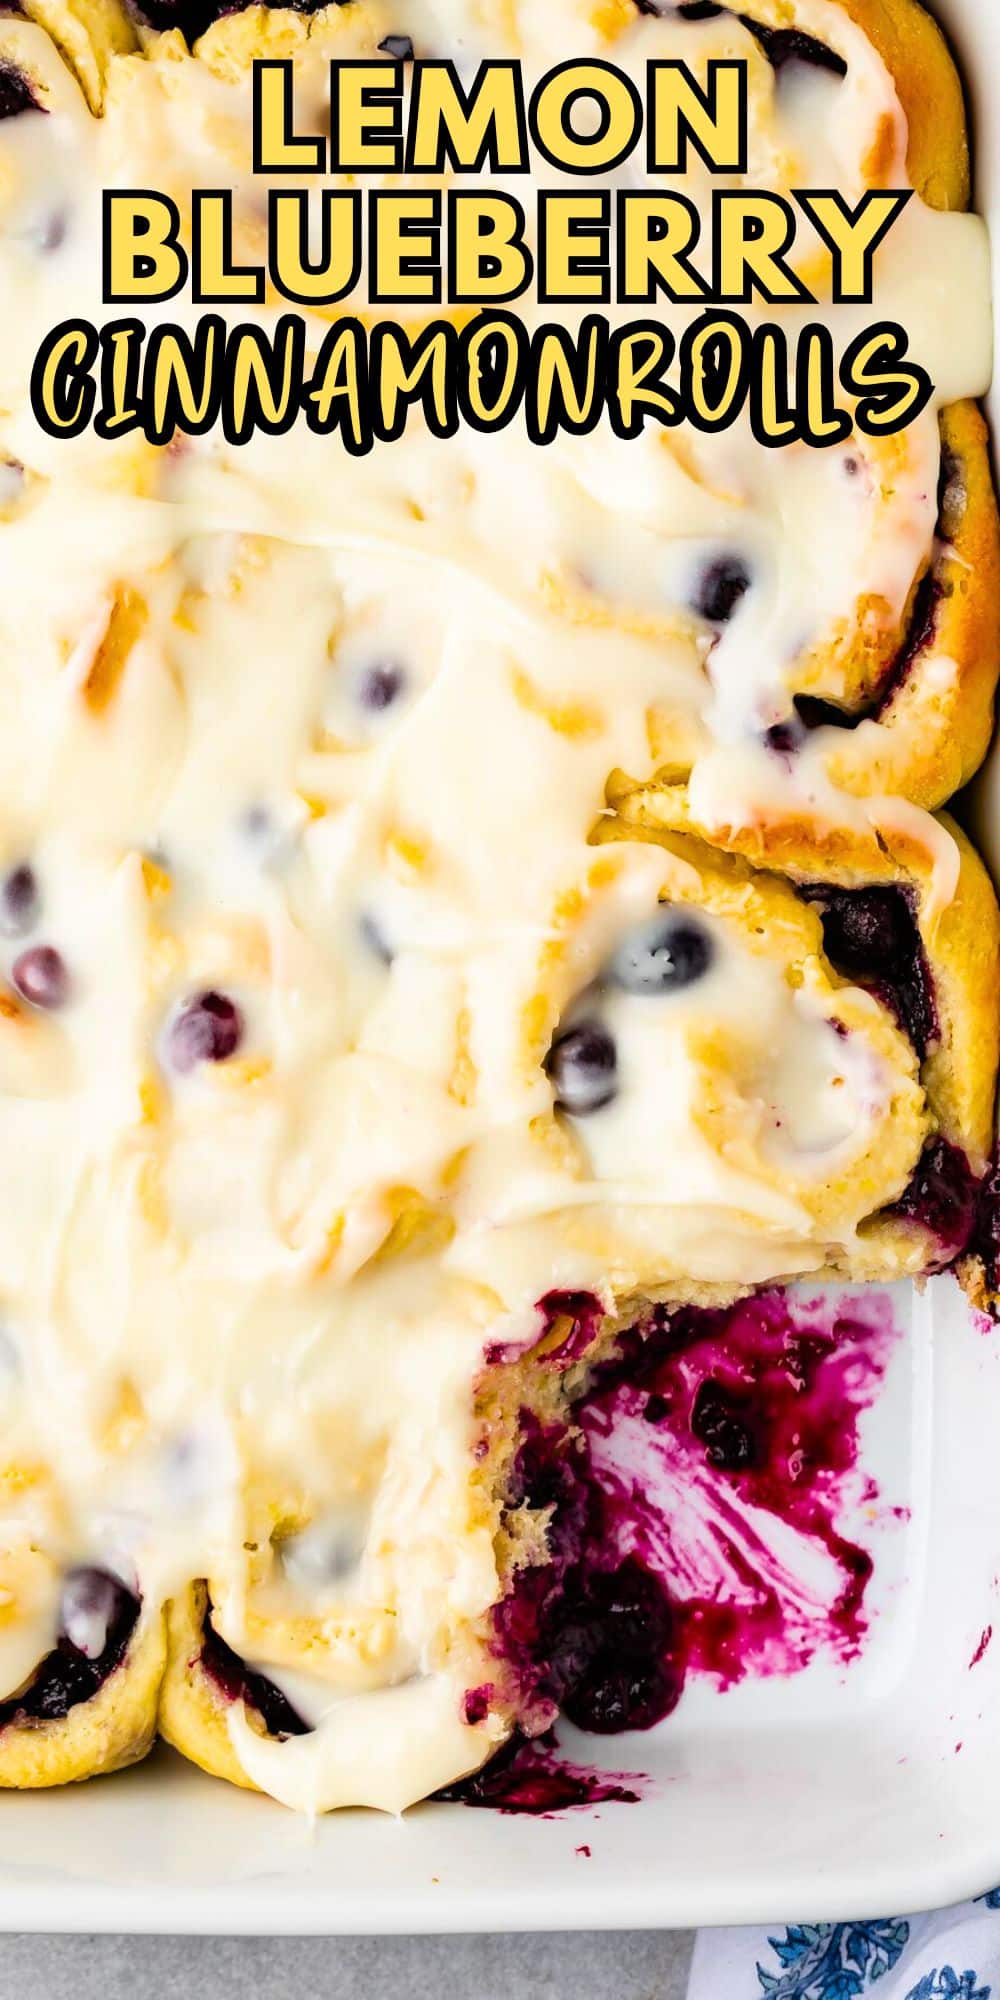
(550, 1474)
(16, 94)
(656, 1408)
(986, 1238)
(96, 1608)
(784, 45)
(780, 45)
(192, 17)
(238, 1682)
(399, 47)
(578, 1316)
(809, 712)
(724, 1424)
(575, 1316)
(920, 631)
(584, 1634)
(607, 1638)
(720, 589)
(944, 1196)
(871, 937)
(812, 711)
(207, 1028)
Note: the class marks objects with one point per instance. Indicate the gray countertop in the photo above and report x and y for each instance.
(634, 1965)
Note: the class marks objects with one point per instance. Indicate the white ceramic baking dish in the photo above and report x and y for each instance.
(841, 1792)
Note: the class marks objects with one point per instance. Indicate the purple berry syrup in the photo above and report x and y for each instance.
(945, 1197)
(68, 1676)
(578, 1315)
(754, 1423)
(696, 1512)
(871, 936)
(536, 1778)
(986, 1235)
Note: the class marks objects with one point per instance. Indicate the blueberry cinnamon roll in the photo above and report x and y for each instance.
(764, 1074)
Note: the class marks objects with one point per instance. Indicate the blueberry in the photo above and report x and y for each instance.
(207, 1028)
(583, 1065)
(19, 901)
(40, 976)
(722, 1427)
(16, 94)
(379, 685)
(868, 930)
(785, 738)
(399, 47)
(609, 1641)
(871, 935)
(548, 1477)
(621, 1611)
(615, 1695)
(720, 589)
(662, 956)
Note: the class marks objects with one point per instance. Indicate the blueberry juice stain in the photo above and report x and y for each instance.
(695, 1517)
(735, 1495)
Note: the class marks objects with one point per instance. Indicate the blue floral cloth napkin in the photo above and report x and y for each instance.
(950, 1955)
